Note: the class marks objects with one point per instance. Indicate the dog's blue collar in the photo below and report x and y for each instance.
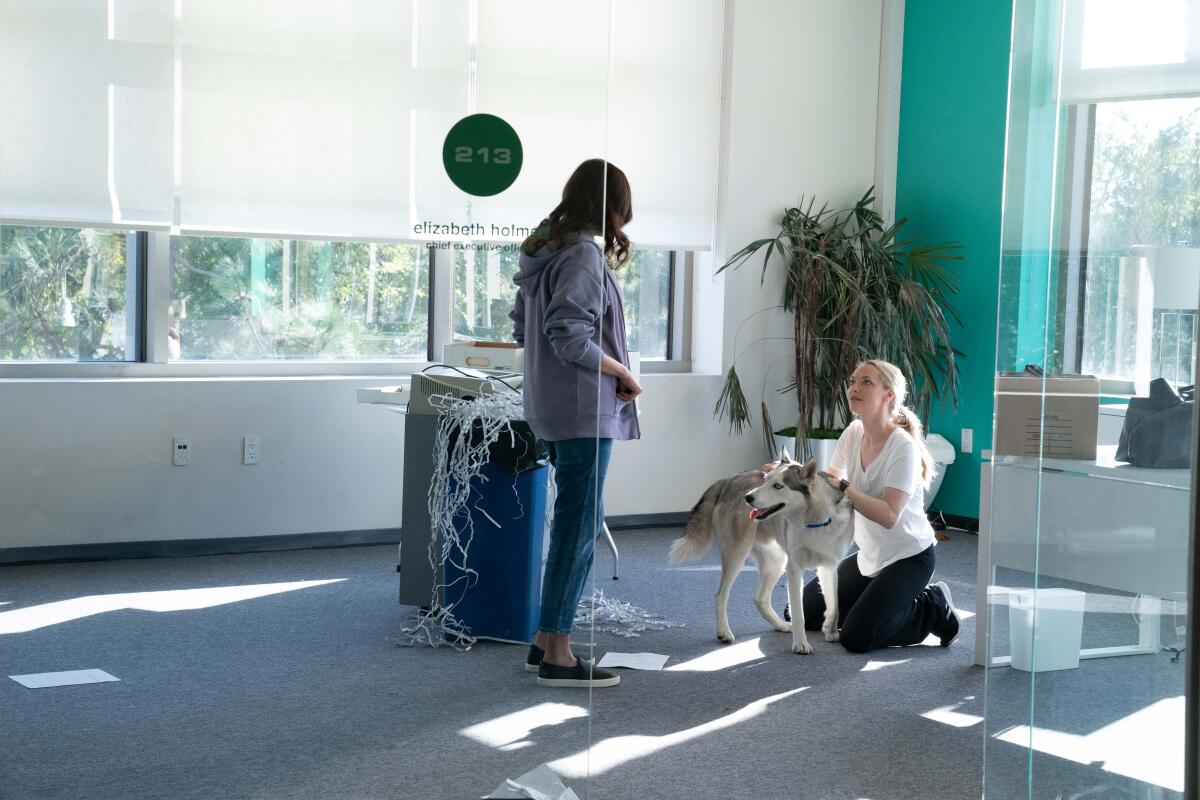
(819, 524)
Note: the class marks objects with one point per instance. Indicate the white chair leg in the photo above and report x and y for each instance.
(612, 545)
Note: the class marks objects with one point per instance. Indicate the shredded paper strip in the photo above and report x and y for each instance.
(474, 425)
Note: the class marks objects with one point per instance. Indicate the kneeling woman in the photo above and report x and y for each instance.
(884, 596)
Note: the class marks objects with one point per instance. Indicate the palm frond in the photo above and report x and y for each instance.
(768, 431)
(732, 403)
(743, 255)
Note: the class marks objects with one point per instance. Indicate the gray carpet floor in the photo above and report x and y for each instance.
(298, 694)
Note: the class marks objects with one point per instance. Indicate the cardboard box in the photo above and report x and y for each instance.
(1055, 417)
(497, 356)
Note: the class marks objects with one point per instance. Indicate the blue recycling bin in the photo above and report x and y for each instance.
(503, 599)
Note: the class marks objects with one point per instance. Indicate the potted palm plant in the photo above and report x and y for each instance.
(855, 291)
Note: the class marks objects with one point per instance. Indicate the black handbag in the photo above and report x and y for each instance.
(1158, 429)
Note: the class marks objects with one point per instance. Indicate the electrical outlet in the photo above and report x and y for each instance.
(968, 440)
(250, 450)
(181, 449)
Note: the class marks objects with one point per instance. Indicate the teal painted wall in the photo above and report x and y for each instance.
(949, 183)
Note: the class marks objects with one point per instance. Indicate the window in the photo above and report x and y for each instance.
(646, 283)
(69, 295)
(339, 126)
(484, 293)
(64, 295)
(1140, 241)
(262, 299)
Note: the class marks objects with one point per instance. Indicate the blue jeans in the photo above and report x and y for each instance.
(579, 469)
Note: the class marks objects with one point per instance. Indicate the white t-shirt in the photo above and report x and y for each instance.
(897, 466)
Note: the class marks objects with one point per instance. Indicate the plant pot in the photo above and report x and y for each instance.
(782, 442)
(822, 449)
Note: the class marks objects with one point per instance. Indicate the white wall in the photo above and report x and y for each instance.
(802, 122)
(90, 461)
(801, 111)
(801, 95)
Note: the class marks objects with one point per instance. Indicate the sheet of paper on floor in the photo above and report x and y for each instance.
(646, 661)
(541, 783)
(75, 677)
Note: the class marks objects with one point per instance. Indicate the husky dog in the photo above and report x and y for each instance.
(794, 517)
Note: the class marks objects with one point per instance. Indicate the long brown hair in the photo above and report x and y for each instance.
(596, 198)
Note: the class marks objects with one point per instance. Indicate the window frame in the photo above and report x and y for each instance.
(1079, 141)
(679, 318)
(149, 251)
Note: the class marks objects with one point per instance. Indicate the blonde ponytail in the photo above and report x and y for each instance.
(907, 419)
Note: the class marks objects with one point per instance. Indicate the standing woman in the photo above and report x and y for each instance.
(578, 391)
(883, 594)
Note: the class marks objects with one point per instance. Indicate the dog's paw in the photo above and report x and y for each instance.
(784, 627)
(725, 637)
(801, 648)
(832, 636)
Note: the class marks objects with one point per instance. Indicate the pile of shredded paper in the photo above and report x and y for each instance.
(619, 617)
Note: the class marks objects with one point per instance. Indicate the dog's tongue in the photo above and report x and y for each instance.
(754, 512)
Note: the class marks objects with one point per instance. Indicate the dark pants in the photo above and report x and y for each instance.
(893, 608)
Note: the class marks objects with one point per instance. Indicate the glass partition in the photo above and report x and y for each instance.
(505, 120)
(1085, 515)
(208, 189)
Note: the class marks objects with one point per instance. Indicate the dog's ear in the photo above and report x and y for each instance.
(810, 468)
(784, 457)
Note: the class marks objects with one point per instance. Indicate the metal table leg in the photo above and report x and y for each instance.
(612, 545)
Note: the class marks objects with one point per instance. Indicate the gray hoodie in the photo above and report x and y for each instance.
(568, 313)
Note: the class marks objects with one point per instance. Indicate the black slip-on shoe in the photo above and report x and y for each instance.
(947, 632)
(582, 675)
(534, 659)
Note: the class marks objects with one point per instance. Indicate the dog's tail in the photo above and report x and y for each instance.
(699, 527)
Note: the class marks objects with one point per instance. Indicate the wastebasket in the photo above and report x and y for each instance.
(1045, 628)
(502, 598)
(943, 455)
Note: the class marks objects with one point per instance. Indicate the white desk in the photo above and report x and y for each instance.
(1102, 523)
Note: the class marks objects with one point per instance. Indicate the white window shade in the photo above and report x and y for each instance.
(632, 81)
(85, 112)
(664, 116)
(326, 118)
(544, 70)
(443, 57)
(295, 117)
(1120, 50)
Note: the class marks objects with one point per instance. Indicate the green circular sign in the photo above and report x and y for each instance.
(482, 155)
